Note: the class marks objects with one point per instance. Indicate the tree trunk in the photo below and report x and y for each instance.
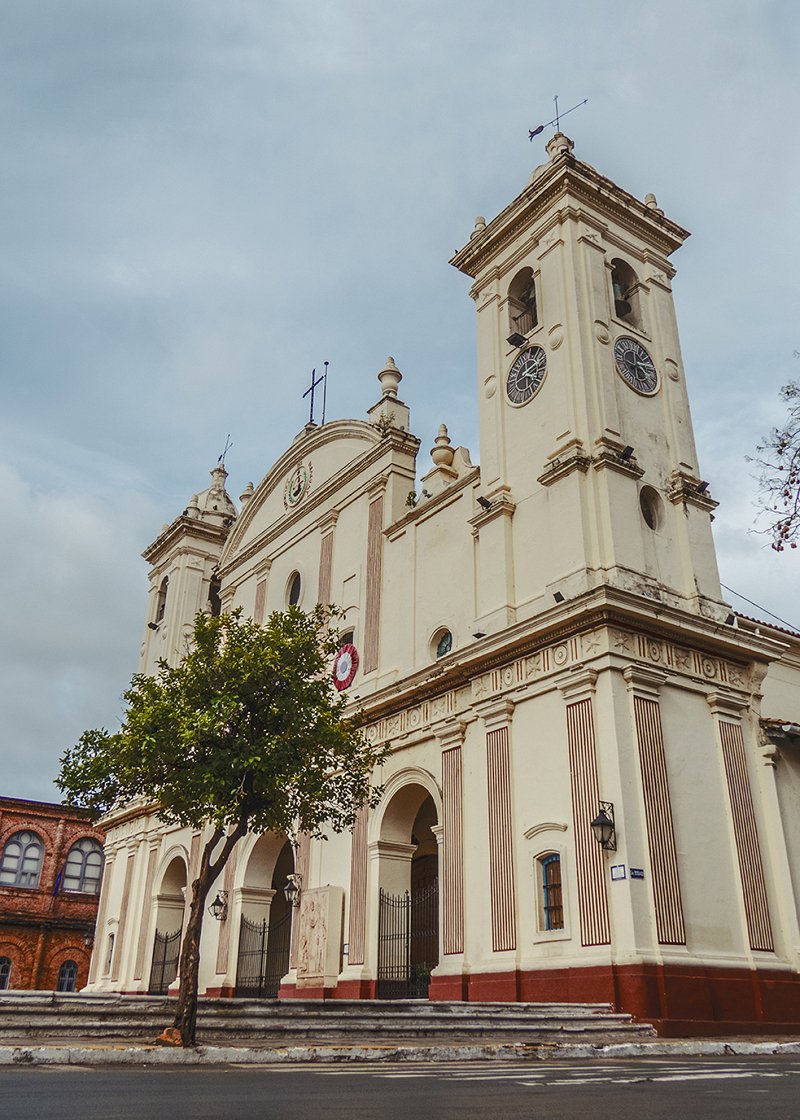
(189, 968)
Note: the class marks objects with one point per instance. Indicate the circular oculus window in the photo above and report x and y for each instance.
(345, 666)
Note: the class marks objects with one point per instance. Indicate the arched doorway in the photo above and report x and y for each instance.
(408, 910)
(265, 929)
(170, 909)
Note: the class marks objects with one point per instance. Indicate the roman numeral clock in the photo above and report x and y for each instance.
(526, 375)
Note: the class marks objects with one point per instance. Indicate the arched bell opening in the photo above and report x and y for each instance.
(523, 314)
(265, 918)
(408, 909)
(625, 288)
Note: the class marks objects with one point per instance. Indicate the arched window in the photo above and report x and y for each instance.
(83, 870)
(625, 284)
(295, 589)
(444, 643)
(552, 905)
(522, 312)
(161, 602)
(21, 864)
(67, 977)
(5, 973)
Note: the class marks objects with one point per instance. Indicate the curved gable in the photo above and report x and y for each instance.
(304, 476)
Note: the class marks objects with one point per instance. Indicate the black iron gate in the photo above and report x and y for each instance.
(164, 969)
(263, 956)
(408, 942)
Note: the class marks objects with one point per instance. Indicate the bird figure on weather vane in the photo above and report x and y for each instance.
(556, 120)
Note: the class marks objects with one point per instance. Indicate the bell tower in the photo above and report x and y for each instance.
(585, 429)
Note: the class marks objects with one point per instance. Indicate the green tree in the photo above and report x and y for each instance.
(245, 734)
(779, 461)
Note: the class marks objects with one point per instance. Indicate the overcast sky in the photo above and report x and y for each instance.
(203, 200)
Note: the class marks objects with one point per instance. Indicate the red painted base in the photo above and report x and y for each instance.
(356, 989)
(223, 992)
(678, 1000)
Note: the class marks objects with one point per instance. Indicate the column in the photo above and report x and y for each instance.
(259, 607)
(372, 605)
(123, 915)
(727, 712)
(223, 943)
(578, 692)
(452, 846)
(497, 718)
(643, 688)
(102, 910)
(358, 888)
(147, 905)
(326, 557)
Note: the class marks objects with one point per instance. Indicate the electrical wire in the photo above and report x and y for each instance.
(758, 607)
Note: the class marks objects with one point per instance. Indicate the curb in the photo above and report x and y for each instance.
(240, 1055)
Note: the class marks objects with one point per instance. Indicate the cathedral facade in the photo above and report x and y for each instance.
(593, 785)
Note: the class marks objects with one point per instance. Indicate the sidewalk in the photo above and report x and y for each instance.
(92, 1053)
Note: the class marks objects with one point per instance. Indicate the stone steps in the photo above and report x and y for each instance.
(26, 1015)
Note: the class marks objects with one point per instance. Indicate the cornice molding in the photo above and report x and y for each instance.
(567, 178)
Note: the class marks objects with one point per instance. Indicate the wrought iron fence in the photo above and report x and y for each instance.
(263, 956)
(408, 942)
(164, 969)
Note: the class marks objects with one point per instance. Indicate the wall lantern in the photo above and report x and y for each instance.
(88, 940)
(603, 827)
(292, 889)
(219, 907)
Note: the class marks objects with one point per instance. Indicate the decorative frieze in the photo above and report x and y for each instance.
(567, 654)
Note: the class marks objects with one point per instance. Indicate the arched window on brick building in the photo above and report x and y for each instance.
(21, 864)
(67, 977)
(83, 870)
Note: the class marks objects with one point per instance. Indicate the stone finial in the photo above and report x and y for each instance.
(559, 145)
(480, 226)
(193, 508)
(442, 453)
(246, 494)
(390, 377)
(218, 476)
(651, 203)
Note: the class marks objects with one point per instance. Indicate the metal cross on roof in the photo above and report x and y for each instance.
(314, 382)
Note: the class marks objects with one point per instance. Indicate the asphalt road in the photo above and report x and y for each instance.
(691, 1089)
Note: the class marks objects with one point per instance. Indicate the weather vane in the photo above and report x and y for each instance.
(557, 119)
(323, 380)
(225, 450)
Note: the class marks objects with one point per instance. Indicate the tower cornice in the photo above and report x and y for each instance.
(564, 178)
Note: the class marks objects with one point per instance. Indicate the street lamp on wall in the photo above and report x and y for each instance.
(292, 888)
(219, 907)
(603, 827)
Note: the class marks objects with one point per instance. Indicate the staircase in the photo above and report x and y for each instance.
(72, 1017)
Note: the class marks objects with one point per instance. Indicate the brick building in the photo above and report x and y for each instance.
(51, 866)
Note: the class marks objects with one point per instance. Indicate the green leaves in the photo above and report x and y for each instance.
(247, 727)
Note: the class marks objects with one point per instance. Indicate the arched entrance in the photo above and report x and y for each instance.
(408, 910)
(265, 929)
(170, 908)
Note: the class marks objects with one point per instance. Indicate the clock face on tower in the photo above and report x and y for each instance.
(635, 366)
(526, 375)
